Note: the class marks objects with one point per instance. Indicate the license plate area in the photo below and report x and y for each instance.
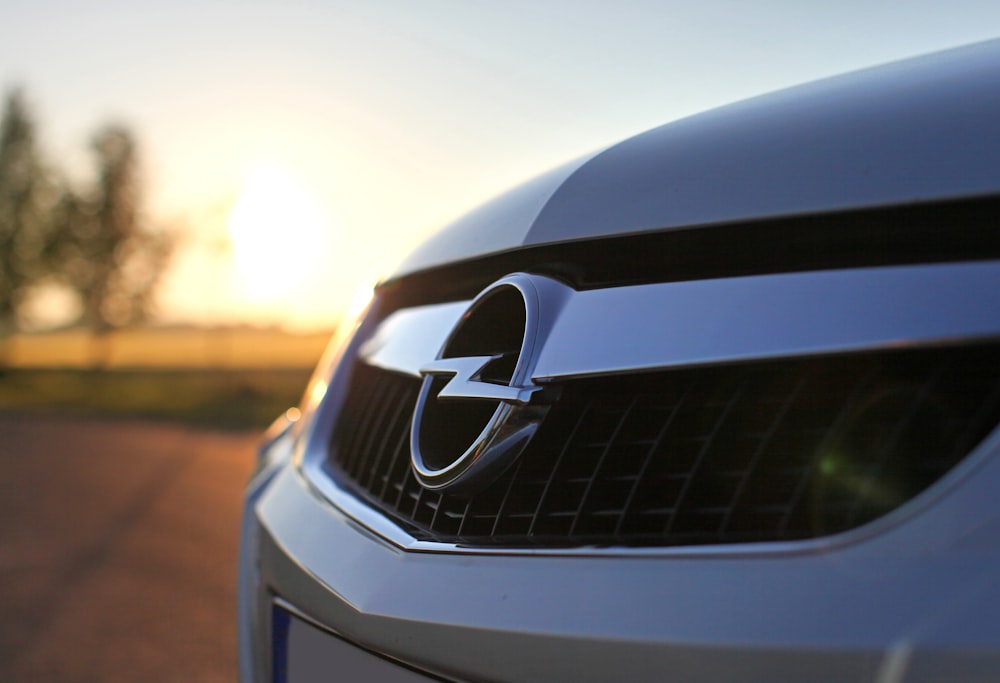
(304, 653)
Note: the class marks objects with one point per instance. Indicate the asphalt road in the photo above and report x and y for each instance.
(118, 544)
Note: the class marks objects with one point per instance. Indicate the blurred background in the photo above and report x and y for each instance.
(232, 175)
(194, 193)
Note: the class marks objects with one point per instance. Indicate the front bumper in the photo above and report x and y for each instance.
(912, 597)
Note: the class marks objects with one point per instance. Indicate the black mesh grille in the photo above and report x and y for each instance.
(769, 451)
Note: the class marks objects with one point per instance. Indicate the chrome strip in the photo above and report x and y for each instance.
(409, 338)
(643, 327)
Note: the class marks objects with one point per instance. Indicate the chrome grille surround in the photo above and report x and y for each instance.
(839, 312)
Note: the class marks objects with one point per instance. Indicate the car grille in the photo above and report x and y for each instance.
(763, 451)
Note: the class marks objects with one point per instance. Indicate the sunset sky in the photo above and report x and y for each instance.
(302, 147)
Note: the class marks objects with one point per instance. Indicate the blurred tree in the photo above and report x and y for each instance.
(96, 243)
(24, 234)
(107, 252)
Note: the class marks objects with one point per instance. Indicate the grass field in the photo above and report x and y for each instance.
(236, 377)
(227, 398)
(156, 347)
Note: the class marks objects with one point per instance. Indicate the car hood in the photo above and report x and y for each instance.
(919, 130)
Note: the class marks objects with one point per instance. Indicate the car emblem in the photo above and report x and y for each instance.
(478, 405)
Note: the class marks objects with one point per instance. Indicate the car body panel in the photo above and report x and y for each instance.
(920, 584)
(916, 131)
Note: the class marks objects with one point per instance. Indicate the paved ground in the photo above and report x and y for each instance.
(118, 549)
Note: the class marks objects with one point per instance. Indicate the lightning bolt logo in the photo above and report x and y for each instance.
(465, 383)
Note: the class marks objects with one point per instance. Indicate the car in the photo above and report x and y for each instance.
(717, 403)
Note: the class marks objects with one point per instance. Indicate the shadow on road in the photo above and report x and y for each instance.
(118, 544)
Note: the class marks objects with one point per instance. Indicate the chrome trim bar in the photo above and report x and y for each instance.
(409, 339)
(659, 326)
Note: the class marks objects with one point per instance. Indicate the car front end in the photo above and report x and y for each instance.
(716, 403)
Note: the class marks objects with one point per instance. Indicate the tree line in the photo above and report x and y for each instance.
(92, 239)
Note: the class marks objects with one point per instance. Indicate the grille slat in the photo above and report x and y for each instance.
(889, 449)
(759, 453)
(391, 407)
(380, 408)
(539, 514)
(704, 446)
(590, 481)
(843, 413)
(766, 451)
(508, 491)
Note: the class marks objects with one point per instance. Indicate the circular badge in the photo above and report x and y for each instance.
(478, 407)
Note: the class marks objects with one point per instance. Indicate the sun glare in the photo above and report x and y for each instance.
(279, 235)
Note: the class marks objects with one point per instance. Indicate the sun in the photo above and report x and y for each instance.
(279, 233)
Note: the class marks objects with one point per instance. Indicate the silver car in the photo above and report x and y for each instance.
(717, 403)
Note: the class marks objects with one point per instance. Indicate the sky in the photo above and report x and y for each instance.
(300, 148)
